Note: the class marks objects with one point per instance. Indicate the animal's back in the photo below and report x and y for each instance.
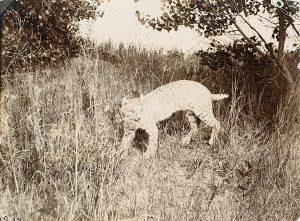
(179, 95)
(177, 89)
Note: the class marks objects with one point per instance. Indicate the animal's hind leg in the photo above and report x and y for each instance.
(207, 116)
(193, 125)
(215, 130)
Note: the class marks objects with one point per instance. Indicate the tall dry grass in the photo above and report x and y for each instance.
(59, 156)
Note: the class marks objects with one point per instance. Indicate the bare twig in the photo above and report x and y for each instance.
(295, 29)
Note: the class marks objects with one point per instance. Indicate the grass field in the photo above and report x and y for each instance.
(59, 156)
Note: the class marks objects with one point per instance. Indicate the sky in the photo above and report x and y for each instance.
(120, 24)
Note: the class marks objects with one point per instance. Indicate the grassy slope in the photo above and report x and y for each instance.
(59, 150)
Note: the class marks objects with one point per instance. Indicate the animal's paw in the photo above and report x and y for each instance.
(211, 142)
(123, 153)
(185, 140)
(147, 154)
(151, 152)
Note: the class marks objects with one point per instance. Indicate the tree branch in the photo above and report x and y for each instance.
(260, 36)
(284, 71)
(249, 40)
(295, 29)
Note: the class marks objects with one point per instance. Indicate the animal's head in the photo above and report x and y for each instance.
(131, 108)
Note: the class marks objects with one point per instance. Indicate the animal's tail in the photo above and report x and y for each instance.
(217, 97)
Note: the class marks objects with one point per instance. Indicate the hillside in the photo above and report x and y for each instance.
(60, 159)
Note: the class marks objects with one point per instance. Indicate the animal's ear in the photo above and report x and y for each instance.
(124, 101)
(141, 98)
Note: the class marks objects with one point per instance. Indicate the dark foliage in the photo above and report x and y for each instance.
(252, 72)
(37, 33)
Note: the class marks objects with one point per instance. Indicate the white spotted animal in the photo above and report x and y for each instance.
(146, 111)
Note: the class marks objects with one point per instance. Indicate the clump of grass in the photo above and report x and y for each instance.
(59, 156)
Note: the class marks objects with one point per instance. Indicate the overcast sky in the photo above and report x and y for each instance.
(120, 24)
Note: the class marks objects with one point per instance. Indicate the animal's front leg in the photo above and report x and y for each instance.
(126, 141)
(153, 141)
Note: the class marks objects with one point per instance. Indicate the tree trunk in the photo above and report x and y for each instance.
(282, 33)
(1, 85)
(283, 24)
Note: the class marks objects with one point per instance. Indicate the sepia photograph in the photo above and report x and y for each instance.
(150, 110)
